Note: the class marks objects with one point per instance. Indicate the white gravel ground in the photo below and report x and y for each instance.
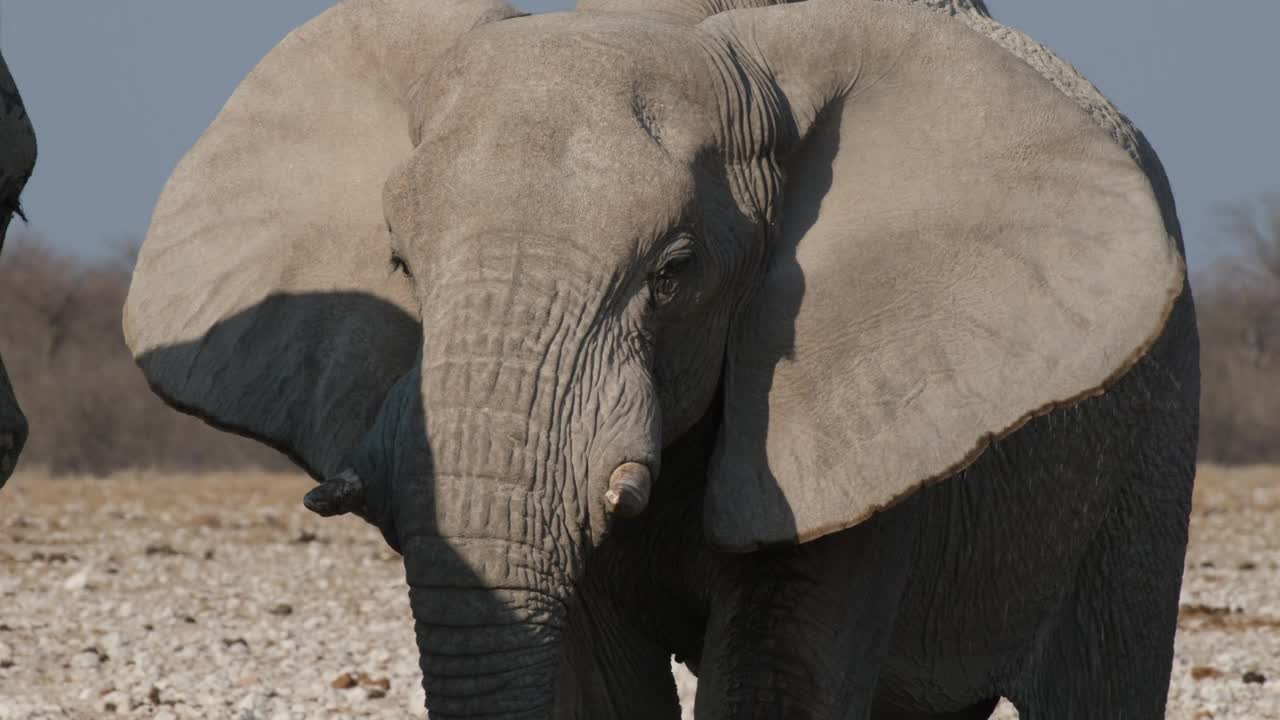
(219, 596)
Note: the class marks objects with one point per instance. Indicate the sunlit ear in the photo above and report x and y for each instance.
(263, 299)
(962, 247)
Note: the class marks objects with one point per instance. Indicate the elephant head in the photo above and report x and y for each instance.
(17, 160)
(474, 270)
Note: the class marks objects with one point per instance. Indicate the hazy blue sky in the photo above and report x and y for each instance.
(119, 90)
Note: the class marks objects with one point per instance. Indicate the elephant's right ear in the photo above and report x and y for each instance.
(263, 299)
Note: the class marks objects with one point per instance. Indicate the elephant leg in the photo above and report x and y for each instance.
(613, 671)
(636, 606)
(1110, 652)
(977, 711)
(800, 632)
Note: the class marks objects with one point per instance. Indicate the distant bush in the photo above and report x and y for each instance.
(1238, 310)
(89, 408)
(92, 412)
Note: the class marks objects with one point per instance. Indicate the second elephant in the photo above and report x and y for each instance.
(17, 160)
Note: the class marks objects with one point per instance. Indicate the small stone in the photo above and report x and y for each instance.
(153, 695)
(254, 705)
(78, 581)
(383, 684)
(113, 701)
(1204, 672)
(281, 609)
(164, 549)
(232, 643)
(88, 658)
(1253, 677)
(344, 681)
(374, 693)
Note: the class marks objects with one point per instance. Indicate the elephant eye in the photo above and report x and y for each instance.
(666, 279)
(399, 264)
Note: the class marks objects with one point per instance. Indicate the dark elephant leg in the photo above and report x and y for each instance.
(1110, 652)
(642, 600)
(801, 631)
(978, 711)
(613, 670)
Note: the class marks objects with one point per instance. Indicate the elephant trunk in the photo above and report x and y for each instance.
(525, 458)
(489, 560)
(490, 545)
(487, 648)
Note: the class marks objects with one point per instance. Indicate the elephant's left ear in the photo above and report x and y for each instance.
(962, 248)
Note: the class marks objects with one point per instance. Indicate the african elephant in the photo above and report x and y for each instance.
(842, 348)
(17, 160)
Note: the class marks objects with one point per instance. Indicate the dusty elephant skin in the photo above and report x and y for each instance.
(842, 348)
(17, 160)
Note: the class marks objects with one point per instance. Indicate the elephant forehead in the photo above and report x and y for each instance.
(621, 78)
(603, 46)
(553, 181)
(562, 132)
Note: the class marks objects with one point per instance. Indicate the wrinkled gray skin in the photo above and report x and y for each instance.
(17, 159)
(584, 319)
(1048, 571)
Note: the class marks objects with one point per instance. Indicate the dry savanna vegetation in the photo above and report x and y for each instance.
(152, 566)
(88, 406)
(91, 412)
(1238, 310)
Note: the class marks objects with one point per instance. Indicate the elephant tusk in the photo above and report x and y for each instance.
(341, 494)
(628, 492)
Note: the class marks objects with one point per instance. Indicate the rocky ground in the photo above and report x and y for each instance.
(219, 596)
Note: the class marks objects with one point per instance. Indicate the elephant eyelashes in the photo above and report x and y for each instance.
(664, 284)
(670, 273)
(399, 264)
